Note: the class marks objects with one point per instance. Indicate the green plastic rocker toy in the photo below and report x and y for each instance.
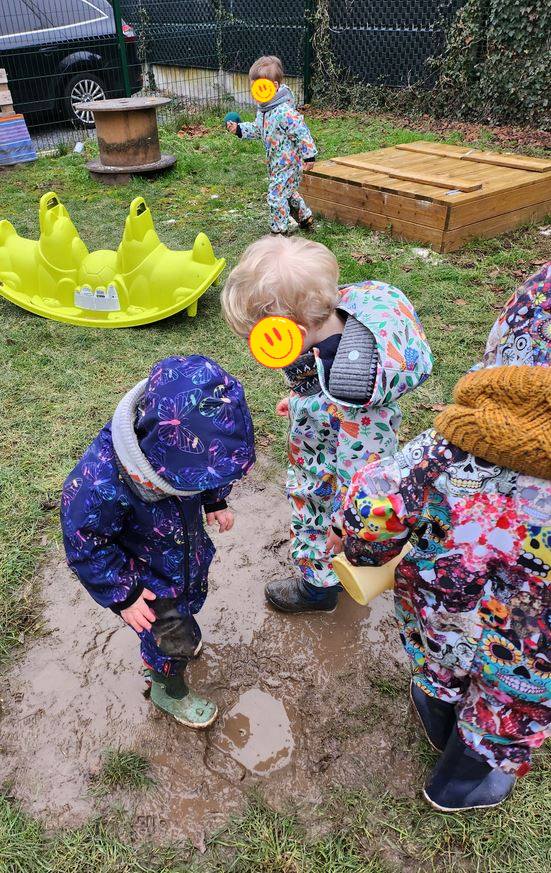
(143, 281)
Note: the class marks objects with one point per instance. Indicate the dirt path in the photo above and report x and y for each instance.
(301, 698)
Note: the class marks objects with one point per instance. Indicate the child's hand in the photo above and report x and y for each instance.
(334, 542)
(232, 126)
(224, 517)
(139, 616)
(282, 407)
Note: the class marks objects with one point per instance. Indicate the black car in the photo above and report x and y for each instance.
(58, 53)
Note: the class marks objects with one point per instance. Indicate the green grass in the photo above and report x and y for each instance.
(59, 384)
(121, 769)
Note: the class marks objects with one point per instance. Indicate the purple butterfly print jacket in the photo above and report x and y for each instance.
(194, 430)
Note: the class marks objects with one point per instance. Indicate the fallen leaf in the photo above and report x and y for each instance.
(438, 407)
(460, 302)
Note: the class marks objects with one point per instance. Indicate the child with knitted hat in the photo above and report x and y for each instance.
(131, 514)
(472, 596)
(363, 349)
(289, 147)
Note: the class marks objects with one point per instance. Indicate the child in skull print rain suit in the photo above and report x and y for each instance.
(132, 513)
(472, 596)
(288, 143)
(364, 349)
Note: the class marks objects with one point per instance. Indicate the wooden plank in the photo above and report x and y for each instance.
(353, 216)
(489, 227)
(498, 203)
(3, 76)
(515, 162)
(411, 176)
(438, 149)
(496, 159)
(424, 212)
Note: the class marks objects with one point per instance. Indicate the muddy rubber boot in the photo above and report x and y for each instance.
(307, 224)
(463, 779)
(436, 716)
(172, 695)
(296, 595)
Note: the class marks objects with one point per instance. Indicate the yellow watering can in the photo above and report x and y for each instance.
(363, 584)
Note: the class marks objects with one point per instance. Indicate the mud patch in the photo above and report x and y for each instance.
(302, 702)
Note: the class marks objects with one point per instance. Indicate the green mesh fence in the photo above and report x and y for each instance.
(59, 53)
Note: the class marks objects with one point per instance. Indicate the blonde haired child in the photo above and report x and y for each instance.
(363, 348)
(288, 143)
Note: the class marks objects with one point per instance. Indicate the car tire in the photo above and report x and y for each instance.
(83, 87)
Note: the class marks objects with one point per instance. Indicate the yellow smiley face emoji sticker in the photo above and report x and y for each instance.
(275, 341)
(263, 90)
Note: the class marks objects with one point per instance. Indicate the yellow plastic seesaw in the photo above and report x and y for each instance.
(142, 282)
(363, 584)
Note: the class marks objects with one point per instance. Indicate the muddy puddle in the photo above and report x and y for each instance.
(302, 704)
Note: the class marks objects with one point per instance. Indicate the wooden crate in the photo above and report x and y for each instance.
(433, 193)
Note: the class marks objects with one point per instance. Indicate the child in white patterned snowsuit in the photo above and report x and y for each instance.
(363, 349)
(288, 143)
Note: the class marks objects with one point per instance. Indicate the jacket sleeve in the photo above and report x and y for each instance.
(375, 521)
(386, 499)
(298, 132)
(215, 499)
(94, 554)
(250, 129)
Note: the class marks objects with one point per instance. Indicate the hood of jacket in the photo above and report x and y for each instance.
(187, 428)
(282, 95)
(404, 358)
(521, 335)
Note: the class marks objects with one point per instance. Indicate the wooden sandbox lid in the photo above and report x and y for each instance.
(432, 192)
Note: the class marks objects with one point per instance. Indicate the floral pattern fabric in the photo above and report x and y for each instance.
(472, 596)
(329, 439)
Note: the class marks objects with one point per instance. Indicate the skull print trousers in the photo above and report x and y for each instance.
(501, 690)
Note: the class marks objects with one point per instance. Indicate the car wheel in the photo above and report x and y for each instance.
(83, 88)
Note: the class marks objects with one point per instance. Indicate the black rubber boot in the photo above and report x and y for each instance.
(436, 716)
(463, 779)
(296, 595)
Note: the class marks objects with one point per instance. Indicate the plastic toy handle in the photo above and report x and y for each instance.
(138, 207)
(363, 584)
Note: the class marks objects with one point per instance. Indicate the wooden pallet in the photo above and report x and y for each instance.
(6, 101)
(433, 193)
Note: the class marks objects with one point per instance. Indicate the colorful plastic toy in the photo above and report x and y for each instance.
(143, 281)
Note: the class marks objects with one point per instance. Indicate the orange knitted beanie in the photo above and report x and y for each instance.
(503, 414)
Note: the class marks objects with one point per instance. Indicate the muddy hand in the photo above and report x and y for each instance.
(224, 517)
(139, 616)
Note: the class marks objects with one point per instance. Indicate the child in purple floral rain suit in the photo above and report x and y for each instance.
(472, 597)
(363, 349)
(132, 510)
(288, 143)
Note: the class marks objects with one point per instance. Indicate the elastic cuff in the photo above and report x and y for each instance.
(238, 131)
(215, 507)
(117, 608)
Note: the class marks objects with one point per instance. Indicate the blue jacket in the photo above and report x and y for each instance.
(194, 429)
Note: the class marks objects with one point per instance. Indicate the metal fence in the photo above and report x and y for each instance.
(59, 53)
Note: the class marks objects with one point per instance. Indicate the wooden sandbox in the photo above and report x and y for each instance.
(438, 194)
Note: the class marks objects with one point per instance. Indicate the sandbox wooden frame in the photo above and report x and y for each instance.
(432, 193)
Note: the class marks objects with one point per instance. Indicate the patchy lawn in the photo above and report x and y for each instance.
(59, 384)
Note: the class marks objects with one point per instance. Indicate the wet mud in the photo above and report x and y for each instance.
(306, 703)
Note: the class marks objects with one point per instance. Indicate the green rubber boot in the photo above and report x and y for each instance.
(172, 695)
